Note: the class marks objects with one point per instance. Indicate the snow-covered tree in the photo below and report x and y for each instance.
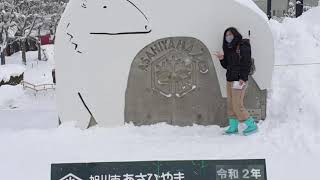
(291, 9)
(26, 20)
(6, 24)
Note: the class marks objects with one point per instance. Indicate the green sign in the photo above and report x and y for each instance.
(162, 170)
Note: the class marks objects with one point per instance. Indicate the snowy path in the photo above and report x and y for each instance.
(286, 151)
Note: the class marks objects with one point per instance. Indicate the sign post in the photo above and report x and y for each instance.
(163, 170)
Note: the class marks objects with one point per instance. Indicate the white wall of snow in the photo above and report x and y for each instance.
(98, 66)
(301, 34)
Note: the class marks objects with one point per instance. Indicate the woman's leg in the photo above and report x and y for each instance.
(241, 111)
(231, 113)
(238, 105)
(233, 121)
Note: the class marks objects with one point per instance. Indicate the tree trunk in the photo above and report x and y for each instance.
(23, 50)
(39, 45)
(39, 52)
(3, 58)
(54, 33)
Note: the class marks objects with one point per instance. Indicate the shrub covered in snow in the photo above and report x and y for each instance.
(10, 71)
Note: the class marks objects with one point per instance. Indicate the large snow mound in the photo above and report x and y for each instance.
(311, 16)
(298, 40)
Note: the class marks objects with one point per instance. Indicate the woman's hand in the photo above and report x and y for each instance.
(219, 55)
(241, 82)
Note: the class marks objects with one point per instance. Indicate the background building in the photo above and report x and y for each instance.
(280, 7)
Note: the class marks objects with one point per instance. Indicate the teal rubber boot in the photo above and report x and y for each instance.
(251, 127)
(233, 127)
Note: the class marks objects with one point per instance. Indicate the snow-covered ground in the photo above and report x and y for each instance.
(21, 109)
(37, 72)
(289, 139)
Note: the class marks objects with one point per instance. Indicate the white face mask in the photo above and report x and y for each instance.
(229, 38)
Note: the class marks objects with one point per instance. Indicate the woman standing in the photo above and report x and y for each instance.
(236, 59)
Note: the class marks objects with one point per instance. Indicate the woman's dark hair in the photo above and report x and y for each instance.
(236, 40)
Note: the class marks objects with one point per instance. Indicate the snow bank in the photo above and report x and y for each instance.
(298, 40)
(311, 16)
(10, 70)
(295, 93)
(8, 94)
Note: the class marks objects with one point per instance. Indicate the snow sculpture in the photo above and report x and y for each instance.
(99, 43)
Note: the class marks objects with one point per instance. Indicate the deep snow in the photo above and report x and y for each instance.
(289, 139)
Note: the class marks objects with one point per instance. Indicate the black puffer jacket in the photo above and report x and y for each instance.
(238, 67)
